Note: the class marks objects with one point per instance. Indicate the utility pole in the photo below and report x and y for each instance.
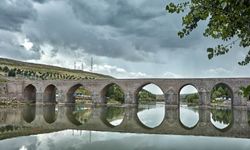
(91, 64)
(82, 67)
(74, 65)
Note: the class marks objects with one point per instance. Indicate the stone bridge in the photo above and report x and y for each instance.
(45, 91)
(32, 120)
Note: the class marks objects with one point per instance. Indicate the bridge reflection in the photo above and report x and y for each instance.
(32, 119)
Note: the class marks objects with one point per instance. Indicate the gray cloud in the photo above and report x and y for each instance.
(14, 13)
(11, 47)
(137, 36)
(127, 30)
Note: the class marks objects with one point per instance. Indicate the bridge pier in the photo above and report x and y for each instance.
(204, 98)
(130, 97)
(238, 100)
(171, 98)
(39, 97)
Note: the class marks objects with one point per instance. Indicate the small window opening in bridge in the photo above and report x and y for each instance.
(189, 102)
(221, 117)
(50, 113)
(151, 105)
(113, 94)
(30, 94)
(51, 94)
(221, 95)
(79, 94)
(113, 116)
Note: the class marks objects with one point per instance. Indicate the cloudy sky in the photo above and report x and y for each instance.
(126, 38)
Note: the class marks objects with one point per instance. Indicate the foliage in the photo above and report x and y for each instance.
(245, 91)
(83, 91)
(5, 69)
(228, 20)
(12, 73)
(145, 95)
(222, 115)
(45, 72)
(114, 92)
(113, 113)
(192, 98)
(220, 90)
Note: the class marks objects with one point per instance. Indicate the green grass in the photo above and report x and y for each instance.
(11, 64)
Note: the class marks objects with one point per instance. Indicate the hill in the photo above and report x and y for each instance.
(19, 70)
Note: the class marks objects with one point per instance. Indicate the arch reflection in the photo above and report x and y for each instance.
(113, 116)
(50, 113)
(151, 115)
(29, 113)
(71, 115)
(221, 118)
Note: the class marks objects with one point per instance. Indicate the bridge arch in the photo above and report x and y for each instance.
(139, 88)
(188, 100)
(49, 94)
(185, 85)
(104, 93)
(30, 93)
(70, 93)
(228, 89)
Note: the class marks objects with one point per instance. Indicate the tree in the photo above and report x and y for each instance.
(6, 69)
(245, 92)
(12, 73)
(229, 20)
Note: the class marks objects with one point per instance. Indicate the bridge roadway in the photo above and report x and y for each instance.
(32, 120)
(45, 91)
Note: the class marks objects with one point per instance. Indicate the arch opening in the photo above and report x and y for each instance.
(50, 94)
(30, 93)
(151, 105)
(221, 95)
(189, 106)
(79, 94)
(221, 114)
(113, 94)
(150, 94)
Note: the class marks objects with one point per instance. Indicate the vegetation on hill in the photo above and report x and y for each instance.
(190, 99)
(18, 69)
(146, 96)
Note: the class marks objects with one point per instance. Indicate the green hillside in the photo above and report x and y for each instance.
(19, 70)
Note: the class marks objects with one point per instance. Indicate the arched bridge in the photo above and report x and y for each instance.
(43, 91)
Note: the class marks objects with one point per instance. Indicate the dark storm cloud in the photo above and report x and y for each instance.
(130, 30)
(13, 13)
(10, 47)
(40, 1)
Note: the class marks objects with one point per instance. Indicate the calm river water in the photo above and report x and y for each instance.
(149, 127)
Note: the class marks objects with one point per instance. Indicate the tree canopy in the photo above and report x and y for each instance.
(228, 20)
